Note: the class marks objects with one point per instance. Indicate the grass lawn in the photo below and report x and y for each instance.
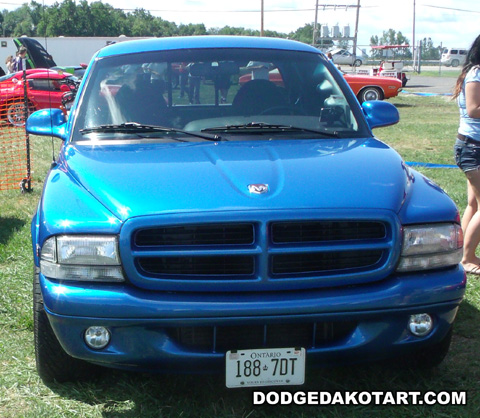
(425, 134)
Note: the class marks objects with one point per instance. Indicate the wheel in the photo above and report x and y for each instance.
(53, 363)
(357, 63)
(455, 63)
(370, 93)
(16, 112)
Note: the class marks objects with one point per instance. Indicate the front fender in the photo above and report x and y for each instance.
(67, 207)
(426, 197)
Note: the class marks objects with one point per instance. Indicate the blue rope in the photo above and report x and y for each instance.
(430, 165)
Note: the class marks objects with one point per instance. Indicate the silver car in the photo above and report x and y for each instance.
(342, 56)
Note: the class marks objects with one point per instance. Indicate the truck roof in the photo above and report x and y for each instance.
(208, 41)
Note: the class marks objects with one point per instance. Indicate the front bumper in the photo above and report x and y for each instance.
(141, 322)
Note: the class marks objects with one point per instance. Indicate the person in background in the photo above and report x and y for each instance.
(382, 67)
(9, 64)
(467, 152)
(20, 63)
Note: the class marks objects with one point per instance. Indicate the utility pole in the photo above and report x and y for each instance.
(356, 32)
(336, 36)
(413, 41)
(261, 18)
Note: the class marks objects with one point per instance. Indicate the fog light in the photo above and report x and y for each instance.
(420, 324)
(97, 337)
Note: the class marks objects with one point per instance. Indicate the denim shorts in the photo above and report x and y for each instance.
(467, 155)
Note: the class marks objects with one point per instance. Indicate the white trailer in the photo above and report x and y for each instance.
(66, 51)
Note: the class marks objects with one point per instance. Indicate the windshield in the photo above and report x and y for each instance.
(7, 77)
(221, 90)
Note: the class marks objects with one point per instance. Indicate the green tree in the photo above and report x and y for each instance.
(391, 37)
(303, 34)
(429, 51)
(229, 30)
(21, 21)
(192, 29)
(106, 20)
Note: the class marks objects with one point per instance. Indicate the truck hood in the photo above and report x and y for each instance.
(151, 178)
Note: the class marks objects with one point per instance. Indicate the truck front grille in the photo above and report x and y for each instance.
(267, 253)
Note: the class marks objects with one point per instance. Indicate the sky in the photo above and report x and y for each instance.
(450, 23)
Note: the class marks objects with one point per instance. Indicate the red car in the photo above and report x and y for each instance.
(45, 88)
(365, 87)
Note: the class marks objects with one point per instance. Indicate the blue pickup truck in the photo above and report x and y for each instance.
(221, 204)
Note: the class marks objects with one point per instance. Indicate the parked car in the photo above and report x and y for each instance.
(453, 57)
(365, 87)
(343, 57)
(45, 89)
(245, 235)
(368, 87)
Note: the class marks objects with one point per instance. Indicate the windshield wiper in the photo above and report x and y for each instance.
(134, 127)
(256, 126)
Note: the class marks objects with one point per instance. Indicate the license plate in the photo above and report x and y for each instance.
(265, 367)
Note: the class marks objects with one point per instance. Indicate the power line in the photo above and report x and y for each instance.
(451, 8)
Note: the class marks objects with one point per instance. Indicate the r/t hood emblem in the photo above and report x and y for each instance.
(258, 188)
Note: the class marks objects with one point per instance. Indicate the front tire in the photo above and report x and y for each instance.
(16, 112)
(370, 93)
(53, 363)
(455, 63)
(357, 63)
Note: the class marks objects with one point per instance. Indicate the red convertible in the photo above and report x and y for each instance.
(365, 87)
(45, 89)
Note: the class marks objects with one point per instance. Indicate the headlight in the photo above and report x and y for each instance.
(431, 246)
(82, 257)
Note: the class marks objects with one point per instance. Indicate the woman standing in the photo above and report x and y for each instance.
(9, 63)
(467, 152)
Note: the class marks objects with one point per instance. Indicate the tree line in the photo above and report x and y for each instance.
(81, 19)
(391, 37)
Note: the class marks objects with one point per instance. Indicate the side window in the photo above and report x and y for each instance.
(454, 52)
(463, 52)
(45, 85)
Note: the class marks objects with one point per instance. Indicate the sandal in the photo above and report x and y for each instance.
(475, 270)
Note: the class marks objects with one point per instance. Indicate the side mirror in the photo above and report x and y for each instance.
(380, 113)
(47, 122)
